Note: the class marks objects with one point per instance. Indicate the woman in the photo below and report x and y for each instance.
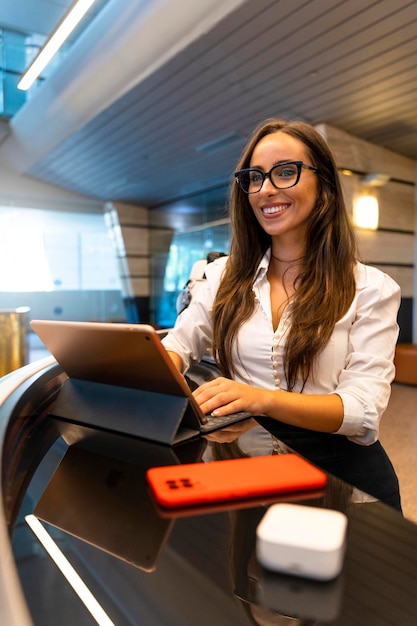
(304, 334)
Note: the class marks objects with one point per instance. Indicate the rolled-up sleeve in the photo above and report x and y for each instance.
(364, 384)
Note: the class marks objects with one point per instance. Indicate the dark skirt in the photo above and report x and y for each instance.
(367, 468)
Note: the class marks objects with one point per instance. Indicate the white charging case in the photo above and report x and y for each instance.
(302, 541)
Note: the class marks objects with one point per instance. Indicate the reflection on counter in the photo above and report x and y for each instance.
(98, 495)
(105, 502)
(200, 568)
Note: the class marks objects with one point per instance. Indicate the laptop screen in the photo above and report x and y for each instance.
(128, 355)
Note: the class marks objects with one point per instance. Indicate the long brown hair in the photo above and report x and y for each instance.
(325, 285)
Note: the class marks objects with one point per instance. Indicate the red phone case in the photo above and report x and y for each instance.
(195, 484)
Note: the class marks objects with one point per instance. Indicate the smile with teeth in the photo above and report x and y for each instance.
(273, 210)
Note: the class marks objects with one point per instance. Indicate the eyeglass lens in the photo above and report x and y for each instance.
(282, 176)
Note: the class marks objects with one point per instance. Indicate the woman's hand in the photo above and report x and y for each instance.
(321, 412)
(222, 396)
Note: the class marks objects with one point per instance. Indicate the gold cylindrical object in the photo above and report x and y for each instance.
(14, 326)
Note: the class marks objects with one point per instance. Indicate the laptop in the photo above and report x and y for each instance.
(153, 400)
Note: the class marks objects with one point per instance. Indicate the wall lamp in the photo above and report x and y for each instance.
(366, 212)
(365, 206)
(55, 41)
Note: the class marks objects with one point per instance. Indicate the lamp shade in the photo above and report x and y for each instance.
(366, 212)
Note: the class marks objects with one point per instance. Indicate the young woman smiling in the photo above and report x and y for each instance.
(303, 333)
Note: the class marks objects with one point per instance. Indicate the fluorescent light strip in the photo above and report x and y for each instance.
(53, 44)
(69, 572)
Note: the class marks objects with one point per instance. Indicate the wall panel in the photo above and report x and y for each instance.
(392, 246)
(378, 246)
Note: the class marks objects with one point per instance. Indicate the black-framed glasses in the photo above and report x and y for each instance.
(282, 176)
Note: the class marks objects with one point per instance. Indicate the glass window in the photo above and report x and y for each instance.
(48, 250)
(189, 229)
(187, 248)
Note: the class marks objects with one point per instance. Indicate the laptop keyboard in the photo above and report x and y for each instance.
(217, 423)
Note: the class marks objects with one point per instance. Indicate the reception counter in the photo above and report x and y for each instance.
(76, 511)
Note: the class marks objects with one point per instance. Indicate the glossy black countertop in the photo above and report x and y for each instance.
(140, 566)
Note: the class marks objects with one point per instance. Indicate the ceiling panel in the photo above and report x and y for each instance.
(349, 64)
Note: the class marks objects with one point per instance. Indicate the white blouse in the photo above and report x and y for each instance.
(357, 362)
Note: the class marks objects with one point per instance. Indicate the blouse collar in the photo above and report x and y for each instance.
(263, 266)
